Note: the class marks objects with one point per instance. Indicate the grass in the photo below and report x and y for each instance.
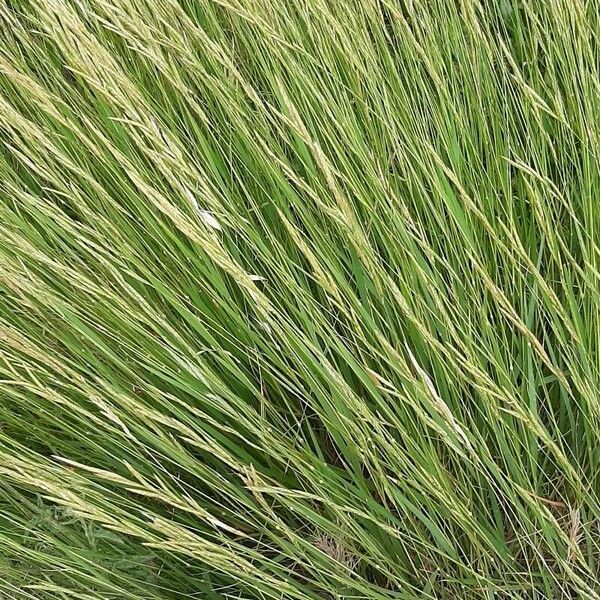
(299, 299)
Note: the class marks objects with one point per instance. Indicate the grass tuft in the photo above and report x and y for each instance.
(299, 299)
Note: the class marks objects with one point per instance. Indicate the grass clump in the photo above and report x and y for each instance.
(299, 299)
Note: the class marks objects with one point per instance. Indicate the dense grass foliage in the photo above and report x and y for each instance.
(299, 299)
